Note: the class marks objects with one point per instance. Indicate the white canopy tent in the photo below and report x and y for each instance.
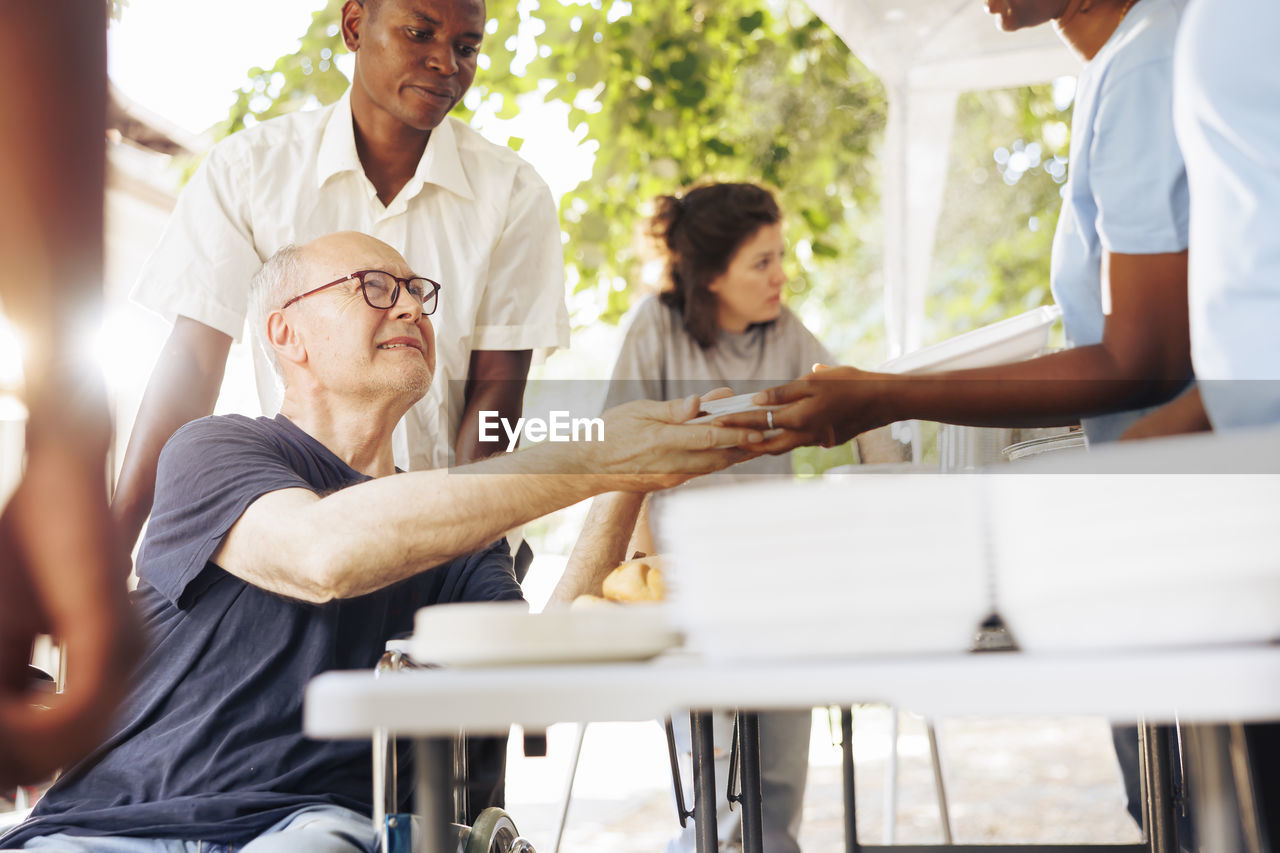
(927, 52)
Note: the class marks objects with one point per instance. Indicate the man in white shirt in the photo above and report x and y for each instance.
(385, 160)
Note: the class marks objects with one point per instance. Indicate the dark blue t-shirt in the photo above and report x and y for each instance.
(209, 744)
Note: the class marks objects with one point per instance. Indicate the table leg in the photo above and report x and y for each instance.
(380, 745)
(1247, 795)
(1157, 786)
(939, 786)
(433, 794)
(1225, 804)
(850, 801)
(704, 782)
(752, 811)
(460, 799)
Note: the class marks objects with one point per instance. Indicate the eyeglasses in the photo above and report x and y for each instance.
(382, 289)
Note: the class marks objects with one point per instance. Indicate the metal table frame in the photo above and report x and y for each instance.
(1209, 690)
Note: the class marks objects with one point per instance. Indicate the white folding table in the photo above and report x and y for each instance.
(1203, 687)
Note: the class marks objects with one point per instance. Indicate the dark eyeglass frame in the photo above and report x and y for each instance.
(358, 275)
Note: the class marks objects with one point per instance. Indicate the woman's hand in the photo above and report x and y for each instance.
(826, 407)
(651, 446)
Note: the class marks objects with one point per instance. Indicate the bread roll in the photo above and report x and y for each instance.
(636, 580)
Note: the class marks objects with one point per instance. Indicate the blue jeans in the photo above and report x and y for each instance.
(315, 829)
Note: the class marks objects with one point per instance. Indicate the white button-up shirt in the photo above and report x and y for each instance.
(474, 217)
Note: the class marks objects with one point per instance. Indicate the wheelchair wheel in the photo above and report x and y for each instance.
(495, 832)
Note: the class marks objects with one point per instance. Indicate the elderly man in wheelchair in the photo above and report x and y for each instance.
(280, 548)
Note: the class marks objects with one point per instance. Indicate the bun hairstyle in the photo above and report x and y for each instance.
(700, 231)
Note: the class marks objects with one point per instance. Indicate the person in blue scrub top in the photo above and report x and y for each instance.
(1119, 270)
(1119, 264)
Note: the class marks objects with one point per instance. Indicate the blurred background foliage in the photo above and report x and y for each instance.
(1006, 173)
(670, 93)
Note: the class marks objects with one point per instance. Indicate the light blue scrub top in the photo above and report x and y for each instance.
(1227, 113)
(1127, 191)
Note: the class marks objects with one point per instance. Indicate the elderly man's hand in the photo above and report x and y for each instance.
(61, 572)
(650, 445)
(826, 407)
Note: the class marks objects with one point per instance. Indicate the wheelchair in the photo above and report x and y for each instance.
(493, 830)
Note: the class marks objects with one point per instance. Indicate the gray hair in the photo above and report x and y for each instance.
(272, 286)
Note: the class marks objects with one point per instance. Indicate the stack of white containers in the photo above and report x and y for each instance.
(1154, 543)
(1160, 543)
(874, 564)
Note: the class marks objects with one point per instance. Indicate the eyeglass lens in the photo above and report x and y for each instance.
(381, 290)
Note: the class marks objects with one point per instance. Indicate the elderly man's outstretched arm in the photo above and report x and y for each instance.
(371, 535)
(350, 330)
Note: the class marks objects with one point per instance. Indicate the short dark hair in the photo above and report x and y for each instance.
(701, 230)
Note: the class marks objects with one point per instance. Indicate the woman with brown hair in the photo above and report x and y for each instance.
(719, 317)
(719, 320)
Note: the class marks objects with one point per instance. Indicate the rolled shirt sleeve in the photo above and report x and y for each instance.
(202, 266)
(523, 305)
(209, 473)
(1138, 179)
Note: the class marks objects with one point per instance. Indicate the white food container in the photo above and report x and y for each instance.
(871, 565)
(1172, 542)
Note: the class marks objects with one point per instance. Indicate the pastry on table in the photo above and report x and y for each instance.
(636, 580)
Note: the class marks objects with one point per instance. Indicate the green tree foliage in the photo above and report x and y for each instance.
(300, 79)
(672, 93)
(684, 92)
(996, 231)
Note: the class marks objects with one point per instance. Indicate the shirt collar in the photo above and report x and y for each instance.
(337, 152)
(440, 163)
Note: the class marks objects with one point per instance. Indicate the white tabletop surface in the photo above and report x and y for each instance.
(1220, 684)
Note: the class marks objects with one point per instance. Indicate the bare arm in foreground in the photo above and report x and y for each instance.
(61, 569)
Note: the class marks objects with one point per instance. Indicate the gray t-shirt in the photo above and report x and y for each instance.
(659, 360)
